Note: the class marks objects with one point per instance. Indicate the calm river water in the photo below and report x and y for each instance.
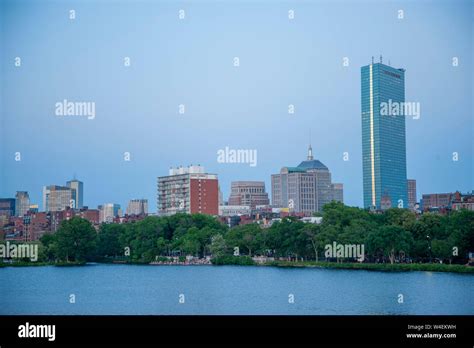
(129, 289)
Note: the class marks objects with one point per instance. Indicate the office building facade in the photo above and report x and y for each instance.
(338, 192)
(7, 207)
(77, 188)
(306, 188)
(411, 187)
(57, 198)
(248, 193)
(137, 207)
(22, 203)
(108, 211)
(383, 137)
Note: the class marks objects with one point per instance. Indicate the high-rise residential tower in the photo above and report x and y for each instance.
(188, 190)
(383, 137)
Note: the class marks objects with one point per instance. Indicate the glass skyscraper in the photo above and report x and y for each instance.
(383, 137)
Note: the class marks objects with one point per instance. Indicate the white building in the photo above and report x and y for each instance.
(22, 203)
(234, 210)
(137, 207)
(108, 211)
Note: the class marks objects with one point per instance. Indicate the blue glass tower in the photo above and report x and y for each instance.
(383, 137)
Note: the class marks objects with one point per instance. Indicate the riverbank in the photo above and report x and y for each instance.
(37, 264)
(247, 261)
(385, 267)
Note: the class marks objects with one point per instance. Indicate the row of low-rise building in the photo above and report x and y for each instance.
(447, 201)
(34, 224)
(20, 220)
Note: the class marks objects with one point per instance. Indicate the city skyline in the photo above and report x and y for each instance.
(282, 63)
(415, 197)
(178, 163)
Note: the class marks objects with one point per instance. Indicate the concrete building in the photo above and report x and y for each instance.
(234, 210)
(411, 184)
(22, 203)
(305, 189)
(248, 193)
(108, 211)
(188, 190)
(221, 197)
(77, 188)
(338, 192)
(57, 198)
(7, 207)
(137, 207)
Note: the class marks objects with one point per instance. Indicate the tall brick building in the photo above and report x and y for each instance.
(188, 190)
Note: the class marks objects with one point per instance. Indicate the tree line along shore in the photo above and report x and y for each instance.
(396, 240)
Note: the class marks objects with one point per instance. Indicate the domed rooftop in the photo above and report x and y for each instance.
(311, 163)
(314, 164)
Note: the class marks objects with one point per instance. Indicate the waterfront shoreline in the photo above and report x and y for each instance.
(381, 267)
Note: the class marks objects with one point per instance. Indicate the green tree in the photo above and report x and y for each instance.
(49, 250)
(400, 217)
(390, 240)
(218, 246)
(311, 232)
(339, 215)
(245, 237)
(108, 240)
(460, 225)
(328, 235)
(190, 242)
(76, 240)
(442, 249)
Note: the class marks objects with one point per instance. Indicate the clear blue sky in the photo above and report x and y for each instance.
(190, 61)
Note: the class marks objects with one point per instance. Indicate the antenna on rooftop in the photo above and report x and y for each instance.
(381, 59)
(310, 149)
(372, 59)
